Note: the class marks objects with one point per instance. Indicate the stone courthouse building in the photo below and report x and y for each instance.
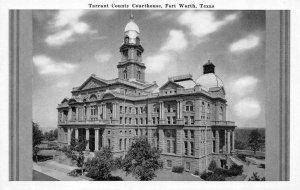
(184, 118)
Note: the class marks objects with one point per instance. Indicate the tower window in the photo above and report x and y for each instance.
(139, 75)
(125, 74)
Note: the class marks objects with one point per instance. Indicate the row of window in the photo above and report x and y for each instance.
(137, 121)
(138, 75)
(132, 110)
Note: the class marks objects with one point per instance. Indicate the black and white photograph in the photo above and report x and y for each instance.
(156, 91)
(161, 95)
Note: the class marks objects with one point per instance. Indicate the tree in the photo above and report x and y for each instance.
(255, 140)
(75, 151)
(142, 160)
(51, 135)
(240, 145)
(101, 165)
(37, 137)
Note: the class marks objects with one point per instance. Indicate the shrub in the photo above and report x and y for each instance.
(235, 170)
(242, 157)
(178, 169)
(196, 172)
(73, 173)
(255, 177)
(119, 163)
(215, 177)
(212, 166)
(205, 175)
(100, 166)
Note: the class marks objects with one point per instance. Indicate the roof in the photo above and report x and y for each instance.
(210, 80)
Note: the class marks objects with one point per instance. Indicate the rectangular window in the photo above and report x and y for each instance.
(192, 120)
(136, 121)
(186, 134)
(169, 163)
(129, 120)
(121, 109)
(168, 146)
(121, 119)
(120, 144)
(192, 134)
(185, 148)
(130, 109)
(141, 121)
(192, 149)
(174, 147)
(136, 110)
(174, 120)
(169, 120)
(153, 120)
(158, 120)
(186, 120)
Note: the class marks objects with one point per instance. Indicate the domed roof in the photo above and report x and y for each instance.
(131, 25)
(210, 80)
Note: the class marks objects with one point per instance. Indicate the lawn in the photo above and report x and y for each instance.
(162, 175)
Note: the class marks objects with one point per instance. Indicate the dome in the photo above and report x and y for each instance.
(209, 80)
(132, 26)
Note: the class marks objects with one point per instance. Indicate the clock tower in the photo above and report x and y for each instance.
(131, 67)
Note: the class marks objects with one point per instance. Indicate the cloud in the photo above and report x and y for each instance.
(62, 84)
(103, 57)
(247, 108)
(203, 23)
(48, 66)
(66, 25)
(175, 42)
(157, 63)
(244, 85)
(244, 44)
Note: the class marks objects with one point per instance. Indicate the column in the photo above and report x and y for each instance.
(228, 142)
(96, 139)
(76, 134)
(69, 136)
(88, 113)
(161, 110)
(225, 144)
(98, 112)
(233, 141)
(149, 111)
(69, 114)
(178, 109)
(104, 111)
(161, 140)
(217, 139)
(77, 114)
(87, 137)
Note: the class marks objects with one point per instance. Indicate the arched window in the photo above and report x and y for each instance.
(221, 113)
(139, 75)
(208, 111)
(189, 106)
(126, 40)
(138, 41)
(125, 74)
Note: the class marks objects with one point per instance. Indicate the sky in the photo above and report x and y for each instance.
(70, 45)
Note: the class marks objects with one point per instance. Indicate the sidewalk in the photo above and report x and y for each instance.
(56, 170)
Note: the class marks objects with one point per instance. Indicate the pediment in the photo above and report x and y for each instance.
(92, 83)
(170, 85)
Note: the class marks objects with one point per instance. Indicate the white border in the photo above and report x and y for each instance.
(294, 182)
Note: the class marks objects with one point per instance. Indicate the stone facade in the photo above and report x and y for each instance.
(186, 122)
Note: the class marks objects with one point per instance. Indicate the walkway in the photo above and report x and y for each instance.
(57, 171)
